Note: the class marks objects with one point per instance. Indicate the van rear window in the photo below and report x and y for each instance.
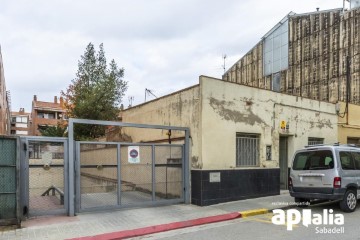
(313, 160)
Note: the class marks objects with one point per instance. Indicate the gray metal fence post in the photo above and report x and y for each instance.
(71, 168)
(153, 171)
(187, 168)
(118, 152)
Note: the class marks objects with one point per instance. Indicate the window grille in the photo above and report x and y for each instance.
(315, 141)
(247, 150)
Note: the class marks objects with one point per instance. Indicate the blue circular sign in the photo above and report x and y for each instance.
(134, 153)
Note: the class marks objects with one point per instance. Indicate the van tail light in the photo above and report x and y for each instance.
(337, 182)
(290, 182)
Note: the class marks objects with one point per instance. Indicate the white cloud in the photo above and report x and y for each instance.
(163, 45)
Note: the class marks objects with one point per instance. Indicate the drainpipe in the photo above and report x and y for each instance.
(348, 62)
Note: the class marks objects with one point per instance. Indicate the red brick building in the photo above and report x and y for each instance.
(45, 114)
(4, 103)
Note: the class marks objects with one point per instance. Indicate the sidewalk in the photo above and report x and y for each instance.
(92, 224)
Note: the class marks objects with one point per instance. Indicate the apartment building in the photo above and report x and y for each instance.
(44, 114)
(20, 122)
(4, 102)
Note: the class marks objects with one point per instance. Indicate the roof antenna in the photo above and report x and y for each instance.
(131, 99)
(224, 57)
(149, 92)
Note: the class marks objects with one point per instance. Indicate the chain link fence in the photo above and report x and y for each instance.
(168, 172)
(141, 172)
(8, 179)
(136, 175)
(98, 175)
(46, 175)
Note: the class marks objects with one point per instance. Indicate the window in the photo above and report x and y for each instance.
(356, 158)
(346, 160)
(247, 150)
(315, 141)
(353, 140)
(276, 82)
(275, 49)
(21, 119)
(314, 160)
(46, 115)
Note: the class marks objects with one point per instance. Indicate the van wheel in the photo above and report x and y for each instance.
(302, 202)
(349, 202)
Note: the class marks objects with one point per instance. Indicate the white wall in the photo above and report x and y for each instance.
(229, 108)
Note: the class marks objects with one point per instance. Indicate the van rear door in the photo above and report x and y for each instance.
(313, 169)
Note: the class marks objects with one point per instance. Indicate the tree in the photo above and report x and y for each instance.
(54, 131)
(96, 92)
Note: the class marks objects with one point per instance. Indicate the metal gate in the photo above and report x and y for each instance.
(45, 170)
(113, 175)
(9, 181)
(61, 176)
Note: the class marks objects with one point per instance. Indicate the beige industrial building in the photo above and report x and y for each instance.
(4, 102)
(313, 55)
(242, 138)
(306, 55)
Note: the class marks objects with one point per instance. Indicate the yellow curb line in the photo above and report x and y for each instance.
(254, 212)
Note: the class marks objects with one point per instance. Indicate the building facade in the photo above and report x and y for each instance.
(242, 138)
(44, 114)
(310, 55)
(20, 122)
(349, 123)
(4, 102)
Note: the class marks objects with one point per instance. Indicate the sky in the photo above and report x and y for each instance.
(163, 45)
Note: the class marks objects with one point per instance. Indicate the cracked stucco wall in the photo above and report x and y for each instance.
(230, 108)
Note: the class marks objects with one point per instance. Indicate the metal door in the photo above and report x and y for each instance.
(9, 181)
(283, 162)
(46, 173)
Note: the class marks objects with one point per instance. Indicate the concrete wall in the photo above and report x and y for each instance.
(134, 176)
(177, 109)
(229, 108)
(41, 180)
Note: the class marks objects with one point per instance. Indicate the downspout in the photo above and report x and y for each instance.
(348, 62)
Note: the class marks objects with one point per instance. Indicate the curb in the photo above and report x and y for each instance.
(176, 225)
(162, 227)
(254, 212)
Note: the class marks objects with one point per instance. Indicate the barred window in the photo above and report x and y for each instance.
(315, 141)
(247, 150)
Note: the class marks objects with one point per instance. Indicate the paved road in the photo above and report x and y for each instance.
(261, 227)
